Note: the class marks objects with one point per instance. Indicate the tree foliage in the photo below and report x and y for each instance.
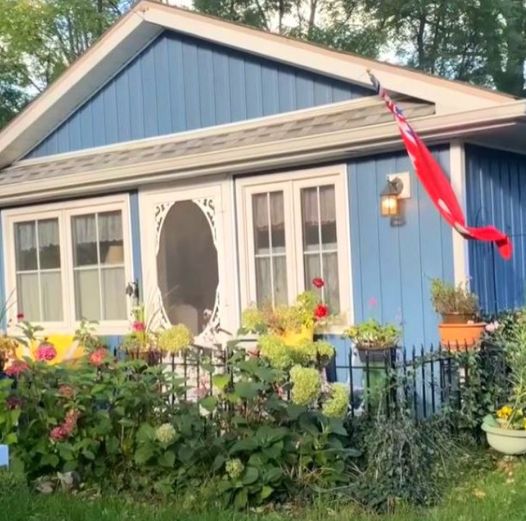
(479, 41)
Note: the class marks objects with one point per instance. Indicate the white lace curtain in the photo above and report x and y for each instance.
(110, 228)
(309, 202)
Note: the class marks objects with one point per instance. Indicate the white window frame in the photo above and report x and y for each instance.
(291, 184)
(64, 212)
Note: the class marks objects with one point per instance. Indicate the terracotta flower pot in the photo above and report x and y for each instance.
(457, 318)
(506, 441)
(461, 336)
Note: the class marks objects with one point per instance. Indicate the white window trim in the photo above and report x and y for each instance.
(64, 211)
(290, 182)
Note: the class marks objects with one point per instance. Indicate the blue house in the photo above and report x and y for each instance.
(216, 165)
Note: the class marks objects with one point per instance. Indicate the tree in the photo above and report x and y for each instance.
(40, 38)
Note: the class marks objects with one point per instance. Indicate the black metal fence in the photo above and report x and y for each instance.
(421, 380)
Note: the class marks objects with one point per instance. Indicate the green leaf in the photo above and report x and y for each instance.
(250, 476)
(247, 390)
(219, 461)
(221, 381)
(167, 459)
(266, 492)
(145, 433)
(88, 454)
(241, 499)
(143, 454)
(50, 459)
(248, 444)
(11, 439)
(209, 403)
(273, 474)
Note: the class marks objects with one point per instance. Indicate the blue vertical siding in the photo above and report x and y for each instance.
(496, 194)
(182, 83)
(392, 266)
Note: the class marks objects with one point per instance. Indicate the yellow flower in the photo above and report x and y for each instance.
(504, 412)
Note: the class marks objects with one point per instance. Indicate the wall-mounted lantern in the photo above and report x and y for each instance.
(396, 188)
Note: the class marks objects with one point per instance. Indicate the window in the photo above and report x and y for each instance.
(292, 229)
(70, 262)
(38, 273)
(98, 266)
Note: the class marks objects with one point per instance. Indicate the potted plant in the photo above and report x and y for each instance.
(294, 324)
(459, 310)
(506, 431)
(373, 340)
(141, 342)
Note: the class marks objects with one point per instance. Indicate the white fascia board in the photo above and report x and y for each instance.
(328, 147)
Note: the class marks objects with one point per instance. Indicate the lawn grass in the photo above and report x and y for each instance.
(498, 495)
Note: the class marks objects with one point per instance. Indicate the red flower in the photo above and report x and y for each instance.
(98, 357)
(20, 316)
(318, 282)
(46, 352)
(16, 368)
(321, 311)
(138, 326)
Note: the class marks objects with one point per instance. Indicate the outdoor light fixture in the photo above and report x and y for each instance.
(396, 188)
(389, 198)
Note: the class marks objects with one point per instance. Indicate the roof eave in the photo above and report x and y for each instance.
(286, 153)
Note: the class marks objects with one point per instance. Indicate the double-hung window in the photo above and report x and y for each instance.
(69, 262)
(293, 228)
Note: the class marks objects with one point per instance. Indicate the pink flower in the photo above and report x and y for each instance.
(16, 369)
(138, 326)
(321, 311)
(71, 421)
(66, 391)
(318, 282)
(65, 430)
(98, 357)
(58, 433)
(373, 302)
(46, 352)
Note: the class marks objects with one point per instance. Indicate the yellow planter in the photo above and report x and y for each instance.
(296, 338)
(68, 349)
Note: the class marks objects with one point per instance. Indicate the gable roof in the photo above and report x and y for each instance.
(148, 19)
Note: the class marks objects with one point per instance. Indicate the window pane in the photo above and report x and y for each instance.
(261, 223)
(331, 290)
(110, 237)
(280, 280)
(310, 218)
(87, 298)
(28, 296)
(51, 296)
(312, 268)
(113, 294)
(49, 244)
(26, 246)
(277, 222)
(187, 269)
(263, 281)
(328, 217)
(84, 240)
